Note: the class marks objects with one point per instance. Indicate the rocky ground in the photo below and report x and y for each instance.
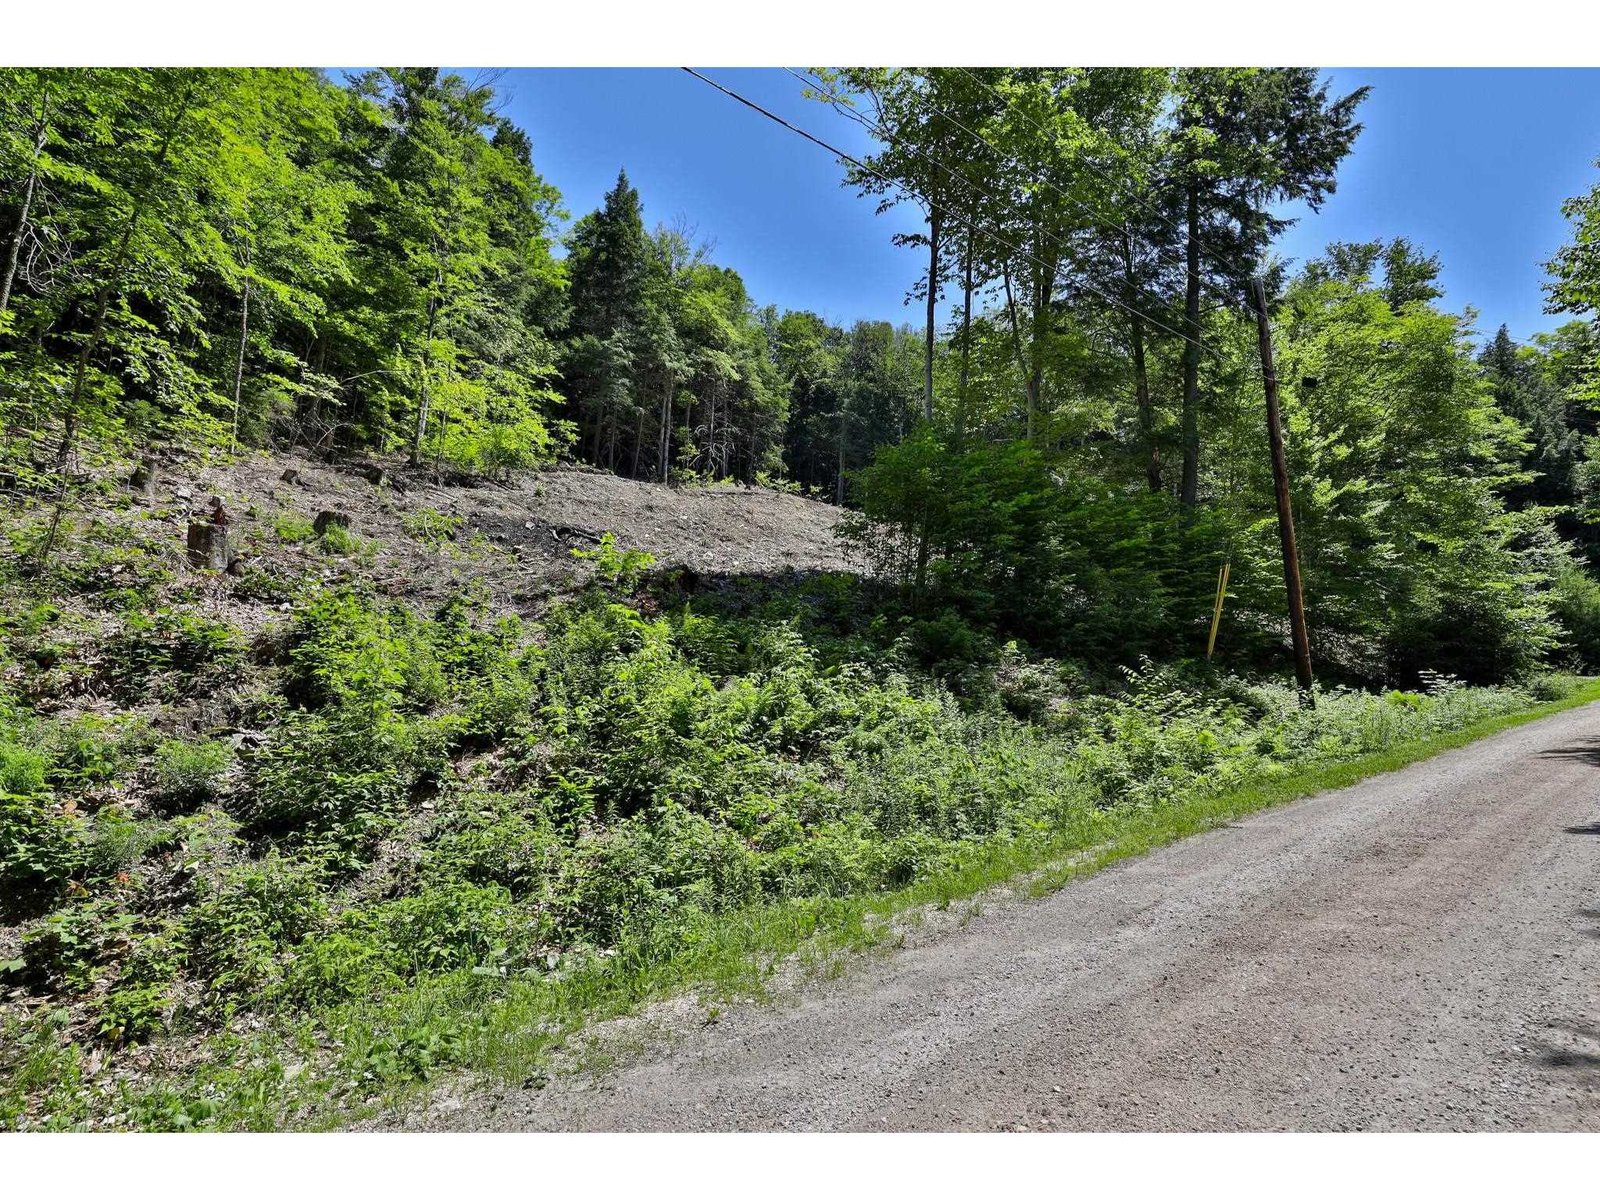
(420, 537)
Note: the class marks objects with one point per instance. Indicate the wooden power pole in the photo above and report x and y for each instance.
(1280, 485)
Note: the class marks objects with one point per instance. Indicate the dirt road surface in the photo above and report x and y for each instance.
(1418, 951)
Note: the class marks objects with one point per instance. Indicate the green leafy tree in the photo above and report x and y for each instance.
(1244, 141)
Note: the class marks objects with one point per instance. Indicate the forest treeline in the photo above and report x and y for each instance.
(1067, 449)
(270, 257)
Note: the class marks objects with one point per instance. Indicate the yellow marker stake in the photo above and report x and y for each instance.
(1216, 611)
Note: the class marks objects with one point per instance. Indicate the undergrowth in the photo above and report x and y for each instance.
(268, 881)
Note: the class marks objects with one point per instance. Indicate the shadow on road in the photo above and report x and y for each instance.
(1588, 752)
(1582, 1041)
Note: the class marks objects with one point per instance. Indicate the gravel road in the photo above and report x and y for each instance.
(1419, 951)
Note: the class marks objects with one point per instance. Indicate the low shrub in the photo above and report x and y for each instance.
(41, 846)
(187, 773)
(237, 934)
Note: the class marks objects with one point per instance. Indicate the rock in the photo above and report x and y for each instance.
(328, 518)
(208, 546)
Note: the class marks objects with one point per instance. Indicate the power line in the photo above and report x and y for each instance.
(1227, 299)
(877, 130)
(970, 224)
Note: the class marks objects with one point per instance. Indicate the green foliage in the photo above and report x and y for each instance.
(22, 770)
(1000, 534)
(46, 844)
(448, 801)
(117, 841)
(336, 780)
(172, 654)
(433, 817)
(292, 527)
(238, 933)
(227, 220)
(1576, 602)
(337, 539)
(40, 842)
(616, 568)
(190, 773)
(62, 949)
(431, 527)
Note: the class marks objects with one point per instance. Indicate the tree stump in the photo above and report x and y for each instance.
(143, 479)
(328, 518)
(208, 546)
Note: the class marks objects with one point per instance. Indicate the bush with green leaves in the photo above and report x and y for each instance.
(445, 802)
(238, 935)
(188, 773)
(293, 527)
(62, 951)
(1015, 540)
(22, 769)
(171, 655)
(41, 842)
(336, 779)
(117, 841)
(1576, 602)
(431, 527)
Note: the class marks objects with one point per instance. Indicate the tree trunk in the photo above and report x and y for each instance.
(1040, 323)
(666, 429)
(1016, 349)
(97, 329)
(1141, 374)
(27, 206)
(966, 343)
(934, 226)
(838, 483)
(711, 433)
(238, 366)
(427, 355)
(1189, 492)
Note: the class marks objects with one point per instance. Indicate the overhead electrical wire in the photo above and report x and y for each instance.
(961, 218)
(876, 128)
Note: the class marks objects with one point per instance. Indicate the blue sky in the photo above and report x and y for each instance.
(1470, 164)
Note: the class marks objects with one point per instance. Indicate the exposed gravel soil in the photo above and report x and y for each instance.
(529, 527)
(1418, 951)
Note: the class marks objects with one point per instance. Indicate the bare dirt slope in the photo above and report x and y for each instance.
(527, 530)
(1419, 951)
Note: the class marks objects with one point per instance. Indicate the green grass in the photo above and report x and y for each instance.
(380, 1055)
(463, 841)
(738, 953)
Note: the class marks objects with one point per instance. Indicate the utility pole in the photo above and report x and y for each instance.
(1280, 485)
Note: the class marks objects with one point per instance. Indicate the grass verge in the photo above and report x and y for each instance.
(372, 1059)
(735, 955)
